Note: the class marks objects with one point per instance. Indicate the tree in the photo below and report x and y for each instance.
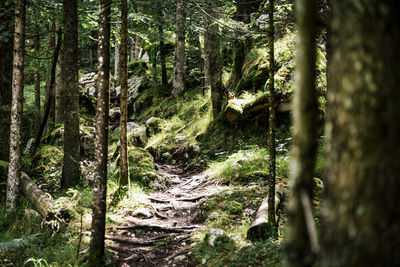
(212, 60)
(6, 67)
(71, 169)
(301, 241)
(14, 167)
(271, 124)
(96, 257)
(124, 170)
(163, 52)
(361, 215)
(179, 62)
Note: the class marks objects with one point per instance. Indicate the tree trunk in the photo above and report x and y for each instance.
(6, 67)
(302, 242)
(164, 78)
(14, 166)
(59, 92)
(96, 257)
(49, 93)
(211, 52)
(44, 204)
(179, 62)
(71, 169)
(124, 170)
(260, 229)
(50, 98)
(271, 124)
(117, 62)
(36, 77)
(361, 212)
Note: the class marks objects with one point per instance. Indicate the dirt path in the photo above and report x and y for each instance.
(164, 238)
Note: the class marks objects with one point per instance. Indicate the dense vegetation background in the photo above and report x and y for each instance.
(140, 133)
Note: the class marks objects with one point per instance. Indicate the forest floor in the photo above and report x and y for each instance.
(164, 238)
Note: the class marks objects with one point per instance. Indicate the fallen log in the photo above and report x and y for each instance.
(260, 228)
(240, 108)
(57, 219)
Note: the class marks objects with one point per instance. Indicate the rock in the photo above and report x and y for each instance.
(180, 258)
(214, 233)
(180, 139)
(145, 213)
(194, 150)
(153, 126)
(139, 137)
(114, 115)
(130, 125)
(213, 216)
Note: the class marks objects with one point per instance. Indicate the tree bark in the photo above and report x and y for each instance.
(36, 77)
(96, 256)
(302, 243)
(50, 98)
(58, 89)
(361, 215)
(59, 92)
(260, 229)
(6, 67)
(44, 204)
(71, 168)
(117, 62)
(49, 92)
(163, 52)
(271, 124)
(213, 61)
(124, 169)
(14, 165)
(179, 62)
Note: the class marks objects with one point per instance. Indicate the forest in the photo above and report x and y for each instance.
(199, 133)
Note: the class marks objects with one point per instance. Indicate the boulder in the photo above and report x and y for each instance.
(153, 126)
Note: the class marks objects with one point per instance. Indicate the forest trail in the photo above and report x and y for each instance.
(164, 238)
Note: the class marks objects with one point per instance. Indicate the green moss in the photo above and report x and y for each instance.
(235, 208)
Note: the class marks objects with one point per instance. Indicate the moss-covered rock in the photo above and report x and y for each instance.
(234, 208)
(48, 162)
(141, 165)
(153, 126)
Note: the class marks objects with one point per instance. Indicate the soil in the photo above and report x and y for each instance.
(164, 238)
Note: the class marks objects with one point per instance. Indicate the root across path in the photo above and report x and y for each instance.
(164, 237)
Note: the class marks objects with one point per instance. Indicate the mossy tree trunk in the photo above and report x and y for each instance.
(14, 166)
(6, 66)
(271, 124)
(124, 170)
(96, 256)
(117, 61)
(179, 62)
(71, 169)
(361, 212)
(212, 58)
(302, 245)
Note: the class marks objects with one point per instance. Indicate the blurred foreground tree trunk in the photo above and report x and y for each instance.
(361, 212)
(271, 124)
(96, 257)
(302, 245)
(124, 169)
(14, 166)
(6, 66)
(71, 169)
